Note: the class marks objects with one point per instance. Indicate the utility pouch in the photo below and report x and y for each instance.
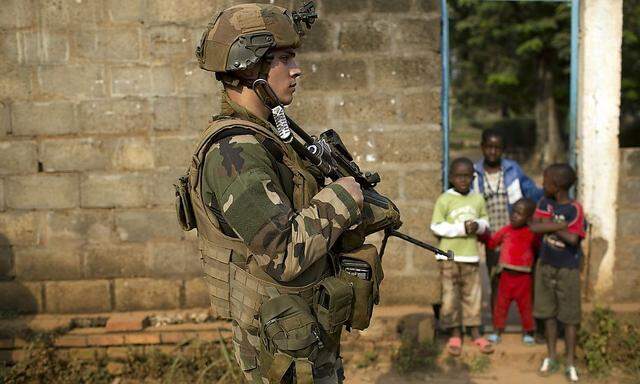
(333, 300)
(362, 270)
(184, 209)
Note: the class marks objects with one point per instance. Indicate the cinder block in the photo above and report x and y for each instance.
(108, 190)
(309, 110)
(627, 226)
(22, 297)
(74, 14)
(115, 260)
(179, 259)
(628, 193)
(405, 146)
(334, 75)
(75, 154)
(163, 192)
(429, 5)
(423, 184)
(72, 81)
(199, 111)
(5, 117)
(195, 81)
(391, 181)
(630, 162)
(423, 107)
(342, 7)
(16, 14)
(114, 116)
(78, 296)
(42, 191)
(197, 294)
(418, 34)
(184, 12)
(626, 286)
(391, 6)
(146, 294)
(416, 219)
(167, 114)
(43, 47)
(51, 118)
(18, 157)
(6, 263)
(407, 72)
(125, 10)
(142, 81)
(93, 226)
(364, 36)
(133, 154)
(169, 41)
(60, 262)
(109, 44)
(371, 108)
(15, 82)
(412, 289)
(320, 38)
(20, 228)
(2, 205)
(145, 225)
(173, 151)
(395, 256)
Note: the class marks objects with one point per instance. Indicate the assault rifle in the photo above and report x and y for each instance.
(331, 156)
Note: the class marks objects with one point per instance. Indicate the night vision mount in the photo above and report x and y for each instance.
(306, 14)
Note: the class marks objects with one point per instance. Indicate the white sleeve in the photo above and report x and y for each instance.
(483, 226)
(444, 229)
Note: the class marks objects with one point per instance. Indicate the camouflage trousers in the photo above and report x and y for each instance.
(327, 365)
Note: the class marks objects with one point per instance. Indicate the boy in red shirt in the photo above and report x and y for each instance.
(516, 242)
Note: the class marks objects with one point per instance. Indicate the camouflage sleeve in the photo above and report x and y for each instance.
(239, 172)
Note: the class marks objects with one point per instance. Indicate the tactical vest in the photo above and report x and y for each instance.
(237, 288)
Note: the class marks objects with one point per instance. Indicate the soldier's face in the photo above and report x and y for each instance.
(284, 73)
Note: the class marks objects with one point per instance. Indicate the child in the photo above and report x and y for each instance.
(515, 262)
(458, 217)
(557, 280)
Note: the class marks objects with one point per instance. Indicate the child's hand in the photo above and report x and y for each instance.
(470, 227)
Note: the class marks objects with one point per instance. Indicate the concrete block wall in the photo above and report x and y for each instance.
(626, 270)
(101, 102)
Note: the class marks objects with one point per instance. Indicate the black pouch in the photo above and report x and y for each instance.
(333, 300)
(184, 209)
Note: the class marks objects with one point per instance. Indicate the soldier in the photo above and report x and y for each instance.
(266, 222)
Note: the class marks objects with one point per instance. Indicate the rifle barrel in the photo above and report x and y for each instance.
(421, 244)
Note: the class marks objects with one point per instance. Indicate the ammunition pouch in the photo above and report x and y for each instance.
(362, 270)
(289, 336)
(184, 209)
(333, 301)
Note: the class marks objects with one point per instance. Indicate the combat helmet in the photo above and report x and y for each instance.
(239, 37)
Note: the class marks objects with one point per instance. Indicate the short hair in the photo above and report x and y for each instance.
(563, 175)
(460, 160)
(491, 132)
(528, 204)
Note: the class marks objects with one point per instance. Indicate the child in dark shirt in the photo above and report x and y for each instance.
(557, 282)
(516, 242)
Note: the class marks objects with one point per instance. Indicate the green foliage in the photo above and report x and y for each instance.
(367, 359)
(414, 356)
(479, 364)
(631, 58)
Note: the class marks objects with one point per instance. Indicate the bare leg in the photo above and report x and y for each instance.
(475, 333)
(570, 343)
(552, 335)
(455, 332)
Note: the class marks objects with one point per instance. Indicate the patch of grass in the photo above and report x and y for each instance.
(479, 364)
(368, 359)
(414, 356)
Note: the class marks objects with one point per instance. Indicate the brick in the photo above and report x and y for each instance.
(320, 38)
(51, 118)
(86, 154)
(125, 10)
(414, 290)
(166, 114)
(628, 193)
(334, 75)
(195, 81)
(407, 72)
(114, 116)
(142, 81)
(15, 82)
(374, 108)
(115, 260)
(42, 191)
(421, 107)
(364, 36)
(342, 7)
(83, 354)
(72, 81)
(391, 6)
(84, 296)
(43, 47)
(18, 157)
(177, 337)
(142, 338)
(173, 151)
(70, 341)
(118, 353)
(21, 228)
(80, 225)
(145, 225)
(71, 13)
(170, 41)
(407, 146)
(105, 340)
(108, 190)
(309, 110)
(429, 5)
(127, 322)
(108, 44)
(423, 184)
(630, 162)
(147, 294)
(180, 12)
(179, 259)
(419, 34)
(21, 297)
(16, 14)
(133, 154)
(52, 263)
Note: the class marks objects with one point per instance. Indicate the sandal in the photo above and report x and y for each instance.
(454, 346)
(548, 367)
(484, 345)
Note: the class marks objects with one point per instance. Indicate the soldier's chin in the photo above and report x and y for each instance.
(286, 99)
